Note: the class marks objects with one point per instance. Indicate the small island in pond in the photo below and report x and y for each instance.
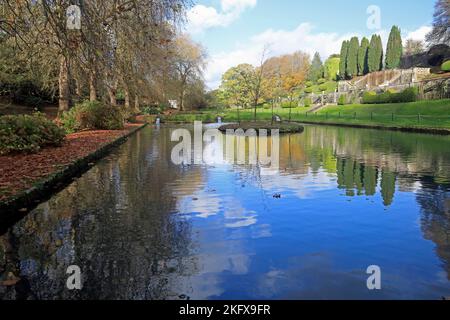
(284, 127)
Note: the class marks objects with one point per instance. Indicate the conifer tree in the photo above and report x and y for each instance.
(394, 49)
(352, 58)
(375, 54)
(363, 51)
(343, 62)
(316, 69)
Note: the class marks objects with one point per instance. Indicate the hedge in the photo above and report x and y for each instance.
(446, 66)
(390, 96)
(342, 100)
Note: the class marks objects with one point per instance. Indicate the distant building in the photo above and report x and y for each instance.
(173, 104)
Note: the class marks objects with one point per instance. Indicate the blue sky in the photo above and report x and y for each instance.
(236, 31)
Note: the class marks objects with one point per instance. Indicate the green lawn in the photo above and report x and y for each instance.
(422, 114)
(330, 87)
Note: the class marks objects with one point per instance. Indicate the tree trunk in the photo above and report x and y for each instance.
(273, 102)
(78, 90)
(136, 103)
(112, 96)
(182, 100)
(64, 91)
(112, 91)
(127, 97)
(92, 90)
(290, 108)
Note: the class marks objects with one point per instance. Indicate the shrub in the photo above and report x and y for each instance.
(28, 133)
(286, 105)
(92, 116)
(151, 110)
(369, 97)
(308, 90)
(323, 87)
(392, 91)
(307, 102)
(391, 96)
(446, 66)
(309, 84)
(342, 100)
(321, 81)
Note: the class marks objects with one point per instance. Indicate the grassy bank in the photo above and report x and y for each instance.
(422, 114)
(414, 115)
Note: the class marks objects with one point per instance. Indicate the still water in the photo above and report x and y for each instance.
(140, 227)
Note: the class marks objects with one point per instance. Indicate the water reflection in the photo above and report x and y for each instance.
(142, 228)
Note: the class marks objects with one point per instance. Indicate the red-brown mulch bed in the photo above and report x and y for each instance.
(20, 172)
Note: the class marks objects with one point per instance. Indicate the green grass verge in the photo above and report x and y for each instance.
(422, 114)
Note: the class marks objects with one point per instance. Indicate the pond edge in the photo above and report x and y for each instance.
(44, 189)
(435, 131)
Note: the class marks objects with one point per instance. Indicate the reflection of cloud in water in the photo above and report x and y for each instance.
(208, 205)
(315, 276)
(205, 205)
(302, 186)
(240, 216)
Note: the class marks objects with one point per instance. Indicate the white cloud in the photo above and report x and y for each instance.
(280, 42)
(201, 18)
(419, 34)
(288, 41)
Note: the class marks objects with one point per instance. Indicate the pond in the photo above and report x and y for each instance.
(141, 227)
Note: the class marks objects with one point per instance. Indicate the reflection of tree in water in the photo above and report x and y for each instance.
(434, 200)
(359, 179)
(114, 222)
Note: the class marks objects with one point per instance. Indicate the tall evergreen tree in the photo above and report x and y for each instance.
(375, 54)
(352, 58)
(316, 69)
(371, 55)
(380, 53)
(394, 49)
(363, 52)
(343, 62)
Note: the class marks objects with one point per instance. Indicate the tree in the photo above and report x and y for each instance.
(363, 52)
(234, 90)
(188, 61)
(331, 68)
(122, 46)
(375, 54)
(380, 53)
(413, 47)
(253, 78)
(394, 50)
(343, 62)
(316, 69)
(441, 23)
(352, 58)
(272, 82)
(294, 70)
